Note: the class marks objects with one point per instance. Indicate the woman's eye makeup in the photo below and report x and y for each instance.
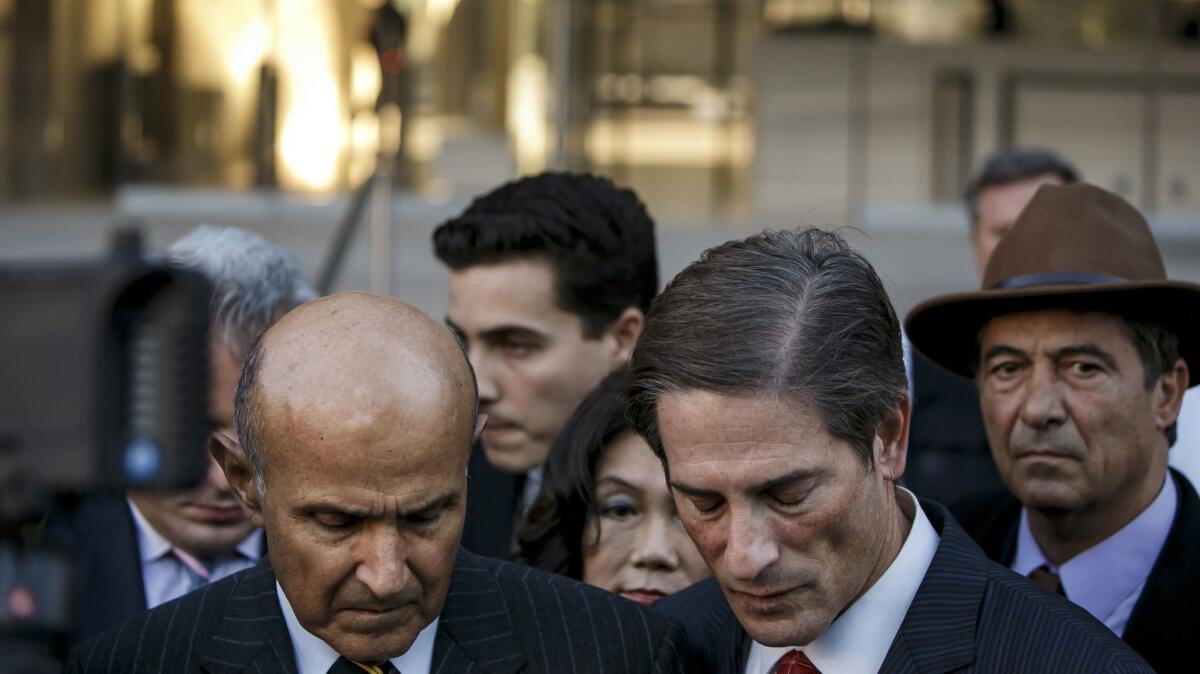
(618, 507)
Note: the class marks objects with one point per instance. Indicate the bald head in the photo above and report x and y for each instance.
(358, 364)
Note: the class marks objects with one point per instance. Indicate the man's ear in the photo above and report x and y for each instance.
(891, 441)
(480, 424)
(228, 454)
(624, 333)
(1169, 394)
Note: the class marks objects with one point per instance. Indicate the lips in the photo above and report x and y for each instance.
(213, 514)
(764, 602)
(644, 596)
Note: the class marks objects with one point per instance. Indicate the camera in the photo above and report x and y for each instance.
(105, 371)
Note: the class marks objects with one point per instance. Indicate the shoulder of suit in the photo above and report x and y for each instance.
(1050, 628)
(573, 595)
(192, 617)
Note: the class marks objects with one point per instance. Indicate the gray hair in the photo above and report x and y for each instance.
(254, 281)
(795, 314)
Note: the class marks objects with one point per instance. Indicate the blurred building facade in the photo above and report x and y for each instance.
(727, 116)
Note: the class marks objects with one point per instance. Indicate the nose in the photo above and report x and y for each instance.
(750, 546)
(484, 377)
(381, 564)
(1042, 406)
(654, 548)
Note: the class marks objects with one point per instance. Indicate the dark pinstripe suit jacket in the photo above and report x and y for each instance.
(969, 615)
(498, 618)
(1165, 619)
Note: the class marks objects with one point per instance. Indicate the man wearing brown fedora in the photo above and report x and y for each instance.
(1081, 350)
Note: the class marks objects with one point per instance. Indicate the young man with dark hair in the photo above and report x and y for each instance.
(550, 279)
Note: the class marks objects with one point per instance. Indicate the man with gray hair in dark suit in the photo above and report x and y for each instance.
(356, 416)
(770, 382)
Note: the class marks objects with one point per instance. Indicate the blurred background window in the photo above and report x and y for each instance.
(301, 118)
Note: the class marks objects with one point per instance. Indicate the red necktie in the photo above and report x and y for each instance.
(795, 662)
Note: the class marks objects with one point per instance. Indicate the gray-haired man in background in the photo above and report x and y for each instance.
(153, 546)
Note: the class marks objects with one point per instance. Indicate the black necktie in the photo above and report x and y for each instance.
(347, 666)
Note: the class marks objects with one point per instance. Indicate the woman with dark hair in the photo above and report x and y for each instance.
(604, 514)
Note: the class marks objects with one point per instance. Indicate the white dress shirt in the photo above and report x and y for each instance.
(166, 577)
(314, 656)
(859, 639)
(1107, 579)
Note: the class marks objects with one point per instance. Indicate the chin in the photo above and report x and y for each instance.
(509, 459)
(794, 630)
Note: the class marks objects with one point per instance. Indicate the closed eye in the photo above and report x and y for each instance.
(336, 521)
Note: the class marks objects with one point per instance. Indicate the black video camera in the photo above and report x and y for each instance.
(104, 371)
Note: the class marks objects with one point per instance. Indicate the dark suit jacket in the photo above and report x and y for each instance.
(1165, 619)
(99, 536)
(492, 497)
(948, 455)
(498, 618)
(969, 615)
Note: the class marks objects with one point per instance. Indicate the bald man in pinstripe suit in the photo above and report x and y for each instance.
(355, 417)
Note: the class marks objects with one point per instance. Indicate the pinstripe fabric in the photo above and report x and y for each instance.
(501, 618)
(970, 615)
(498, 618)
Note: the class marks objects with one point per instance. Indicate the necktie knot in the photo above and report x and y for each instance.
(1047, 579)
(795, 662)
(345, 665)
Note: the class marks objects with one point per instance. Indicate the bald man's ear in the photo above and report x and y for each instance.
(228, 454)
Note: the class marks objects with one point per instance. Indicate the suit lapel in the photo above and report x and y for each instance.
(251, 631)
(475, 631)
(938, 633)
(1162, 622)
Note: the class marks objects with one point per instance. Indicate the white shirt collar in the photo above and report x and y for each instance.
(314, 656)
(152, 545)
(1103, 577)
(859, 639)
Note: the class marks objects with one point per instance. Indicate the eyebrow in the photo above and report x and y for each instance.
(1086, 350)
(1003, 350)
(617, 482)
(1058, 354)
(435, 503)
(499, 332)
(773, 483)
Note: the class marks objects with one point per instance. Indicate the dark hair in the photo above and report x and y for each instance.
(793, 313)
(551, 537)
(1158, 349)
(1009, 166)
(247, 419)
(598, 238)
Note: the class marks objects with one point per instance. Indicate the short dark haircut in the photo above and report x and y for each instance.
(1158, 349)
(1009, 166)
(598, 238)
(796, 314)
(551, 538)
(247, 417)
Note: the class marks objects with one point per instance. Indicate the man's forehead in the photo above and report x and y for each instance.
(518, 293)
(1052, 326)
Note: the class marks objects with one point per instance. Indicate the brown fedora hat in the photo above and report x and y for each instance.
(1073, 247)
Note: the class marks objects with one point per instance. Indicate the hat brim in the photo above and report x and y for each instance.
(945, 329)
